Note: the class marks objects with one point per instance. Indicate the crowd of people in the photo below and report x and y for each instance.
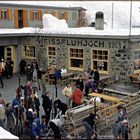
(26, 105)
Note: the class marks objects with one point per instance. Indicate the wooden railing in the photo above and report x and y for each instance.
(107, 114)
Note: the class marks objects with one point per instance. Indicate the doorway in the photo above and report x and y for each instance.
(1, 52)
(10, 53)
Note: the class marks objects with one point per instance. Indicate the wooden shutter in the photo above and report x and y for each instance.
(9, 14)
(47, 11)
(39, 14)
(16, 18)
(58, 14)
(31, 15)
(66, 16)
(54, 13)
(25, 18)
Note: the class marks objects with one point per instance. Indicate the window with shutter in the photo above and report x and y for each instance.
(31, 15)
(35, 15)
(3, 14)
(40, 15)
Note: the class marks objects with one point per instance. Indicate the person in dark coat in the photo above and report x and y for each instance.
(34, 103)
(29, 72)
(91, 74)
(11, 66)
(96, 76)
(88, 123)
(90, 84)
(40, 72)
(29, 118)
(8, 69)
(61, 106)
(34, 65)
(22, 66)
(9, 111)
(47, 105)
(80, 82)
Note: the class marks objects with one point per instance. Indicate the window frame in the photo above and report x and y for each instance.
(29, 53)
(62, 15)
(76, 57)
(100, 59)
(35, 15)
(51, 56)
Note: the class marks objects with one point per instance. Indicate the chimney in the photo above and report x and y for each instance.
(99, 21)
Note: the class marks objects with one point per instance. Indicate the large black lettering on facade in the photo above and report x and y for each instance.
(75, 42)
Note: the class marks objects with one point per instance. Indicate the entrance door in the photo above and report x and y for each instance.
(1, 52)
(10, 52)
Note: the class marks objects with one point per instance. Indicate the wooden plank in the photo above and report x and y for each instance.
(119, 92)
(67, 75)
(105, 97)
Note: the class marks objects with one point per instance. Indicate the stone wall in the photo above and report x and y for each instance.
(120, 52)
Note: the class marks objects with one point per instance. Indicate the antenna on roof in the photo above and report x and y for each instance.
(130, 23)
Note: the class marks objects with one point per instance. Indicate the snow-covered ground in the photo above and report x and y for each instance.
(6, 135)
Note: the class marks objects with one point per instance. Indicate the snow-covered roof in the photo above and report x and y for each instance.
(86, 32)
(33, 4)
(54, 26)
(116, 13)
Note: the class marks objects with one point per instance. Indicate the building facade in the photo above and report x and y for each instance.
(114, 55)
(19, 16)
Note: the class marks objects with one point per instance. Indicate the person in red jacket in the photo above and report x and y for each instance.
(76, 97)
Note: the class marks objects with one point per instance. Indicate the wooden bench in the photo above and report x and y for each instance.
(134, 77)
(105, 97)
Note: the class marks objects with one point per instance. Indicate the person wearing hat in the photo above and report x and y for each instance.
(39, 127)
(120, 116)
(124, 130)
(88, 123)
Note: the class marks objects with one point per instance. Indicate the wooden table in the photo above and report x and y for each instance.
(67, 75)
(134, 78)
(135, 75)
(77, 77)
(105, 97)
